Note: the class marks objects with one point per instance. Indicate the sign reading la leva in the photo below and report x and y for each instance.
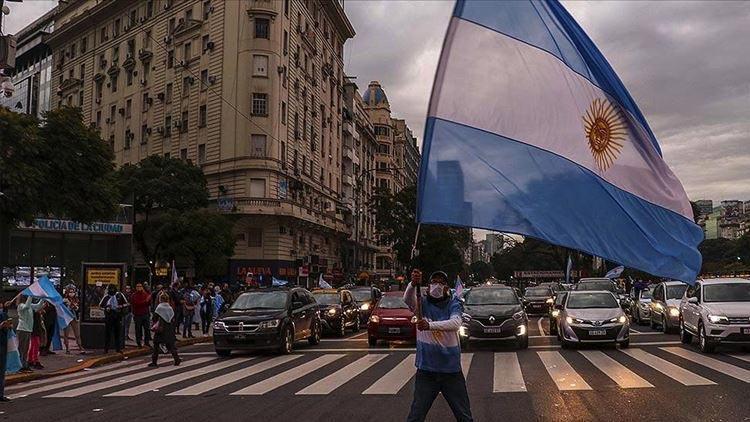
(57, 225)
(543, 274)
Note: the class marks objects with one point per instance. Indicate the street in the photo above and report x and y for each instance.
(657, 378)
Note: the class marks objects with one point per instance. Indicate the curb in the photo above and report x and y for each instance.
(97, 361)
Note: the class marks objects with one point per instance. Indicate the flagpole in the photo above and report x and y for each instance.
(414, 253)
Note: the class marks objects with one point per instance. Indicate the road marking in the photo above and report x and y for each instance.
(366, 349)
(231, 377)
(623, 376)
(75, 378)
(145, 373)
(288, 376)
(356, 335)
(655, 343)
(546, 346)
(633, 330)
(547, 336)
(342, 376)
(746, 358)
(561, 372)
(395, 379)
(539, 324)
(507, 376)
(715, 364)
(174, 379)
(466, 363)
(677, 373)
(651, 333)
(342, 340)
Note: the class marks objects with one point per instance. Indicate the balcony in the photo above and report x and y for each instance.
(347, 179)
(281, 207)
(351, 155)
(348, 128)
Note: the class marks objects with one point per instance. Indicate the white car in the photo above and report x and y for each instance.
(665, 305)
(592, 317)
(717, 311)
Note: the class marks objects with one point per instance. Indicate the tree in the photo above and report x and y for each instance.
(440, 247)
(481, 270)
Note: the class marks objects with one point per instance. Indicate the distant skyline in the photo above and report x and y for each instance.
(685, 63)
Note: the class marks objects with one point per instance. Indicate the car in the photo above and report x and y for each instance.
(538, 299)
(269, 318)
(338, 310)
(665, 305)
(592, 317)
(717, 311)
(605, 284)
(554, 314)
(640, 306)
(391, 319)
(494, 312)
(366, 297)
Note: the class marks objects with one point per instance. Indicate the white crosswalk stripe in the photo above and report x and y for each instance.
(507, 376)
(712, 363)
(564, 376)
(466, 359)
(174, 379)
(128, 378)
(623, 376)
(677, 373)
(288, 376)
(338, 378)
(395, 379)
(220, 381)
(746, 358)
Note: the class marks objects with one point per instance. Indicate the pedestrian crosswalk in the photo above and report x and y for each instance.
(389, 373)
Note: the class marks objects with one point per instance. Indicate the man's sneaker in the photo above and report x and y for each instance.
(5, 399)
(153, 365)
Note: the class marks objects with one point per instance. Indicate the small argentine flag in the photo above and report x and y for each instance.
(322, 283)
(459, 288)
(13, 358)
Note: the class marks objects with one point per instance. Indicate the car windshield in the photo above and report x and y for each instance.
(596, 285)
(645, 294)
(362, 295)
(537, 292)
(560, 298)
(591, 300)
(327, 298)
(392, 302)
(676, 292)
(734, 292)
(491, 297)
(260, 300)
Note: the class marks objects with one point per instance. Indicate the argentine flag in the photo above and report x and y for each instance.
(530, 131)
(12, 357)
(44, 289)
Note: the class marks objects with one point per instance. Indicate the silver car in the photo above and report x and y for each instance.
(717, 311)
(640, 306)
(592, 317)
(665, 305)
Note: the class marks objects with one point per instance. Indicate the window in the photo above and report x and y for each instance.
(384, 149)
(286, 42)
(84, 44)
(80, 98)
(115, 54)
(262, 28)
(258, 145)
(204, 44)
(185, 86)
(128, 108)
(186, 50)
(83, 71)
(283, 113)
(286, 7)
(149, 9)
(206, 10)
(168, 94)
(144, 134)
(260, 65)
(170, 27)
(257, 188)
(144, 102)
(98, 119)
(113, 83)
(254, 237)
(201, 153)
(103, 35)
(127, 139)
(131, 47)
(112, 112)
(382, 130)
(260, 104)
(283, 154)
(166, 155)
(147, 40)
(129, 77)
(183, 154)
(168, 126)
(204, 79)
(116, 29)
(133, 17)
(73, 51)
(202, 116)
(170, 59)
(146, 72)
(184, 122)
(189, 14)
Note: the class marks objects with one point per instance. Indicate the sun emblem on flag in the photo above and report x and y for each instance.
(605, 131)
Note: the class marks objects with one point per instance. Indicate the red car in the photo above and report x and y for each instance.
(391, 319)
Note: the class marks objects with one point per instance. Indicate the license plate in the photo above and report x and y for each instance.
(239, 336)
(746, 331)
(493, 330)
(394, 330)
(597, 332)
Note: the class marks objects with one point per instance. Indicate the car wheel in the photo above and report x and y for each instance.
(685, 337)
(315, 335)
(342, 328)
(223, 353)
(706, 345)
(523, 342)
(372, 341)
(625, 344)
(287, 341)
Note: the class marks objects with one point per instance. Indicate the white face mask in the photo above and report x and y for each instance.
(436, 290)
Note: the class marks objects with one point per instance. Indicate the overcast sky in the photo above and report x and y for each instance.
(686, 63)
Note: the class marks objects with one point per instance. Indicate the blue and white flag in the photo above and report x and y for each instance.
(12, 357)
(44, 289)
(615, 272)
(530, 131)
(175, 278)
(567, 270)
(275, 282)
(322, 283)
(459, 290)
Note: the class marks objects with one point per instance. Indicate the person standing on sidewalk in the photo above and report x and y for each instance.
(140, 303)
(164, 334)
(50, 325)
(72, 301)
(207, 311)
(127, 316)
(438, 349)
(38, 334)
(176, 301)
(112, 303)
(26, 309)
(6, 324)
(189, 302)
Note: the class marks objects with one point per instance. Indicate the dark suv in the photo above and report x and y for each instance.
(538, 300)
(338, 310)
(366, 297)
(268, 319)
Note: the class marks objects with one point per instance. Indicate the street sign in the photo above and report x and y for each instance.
(543, 274)
(304, 271)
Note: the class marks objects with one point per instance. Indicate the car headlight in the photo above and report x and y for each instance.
(521, 330)
(365, 306)
(658, 306)
(518, 315)
(550, 301)
(569, 320)
(332, 311)
(555, 313)
(463, 332)
(414, 319)
(718, 319)
(375, 319)
(273, 323)
(218, 325)
(622, 319)
(674, 312)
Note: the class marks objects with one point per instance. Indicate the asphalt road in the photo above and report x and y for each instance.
(657, 378)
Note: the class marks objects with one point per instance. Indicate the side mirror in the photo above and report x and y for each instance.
(296, 304)
(692, 299)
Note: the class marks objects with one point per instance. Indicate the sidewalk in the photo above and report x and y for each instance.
(61, 363)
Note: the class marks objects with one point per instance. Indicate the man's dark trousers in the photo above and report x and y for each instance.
(426, 388)
(112, 330)
(3, 359)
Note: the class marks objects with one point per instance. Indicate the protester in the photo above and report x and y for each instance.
(140, 303)
(218, 302)
(6, 324)
(164, 334)
(112, 303)
(206, 310)
(127, 312)
(175, 300)
(158, 290)
(38, 334)
(50, 325)
(71, 300)
(26, 309)
(438, 359)
(189, 302)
